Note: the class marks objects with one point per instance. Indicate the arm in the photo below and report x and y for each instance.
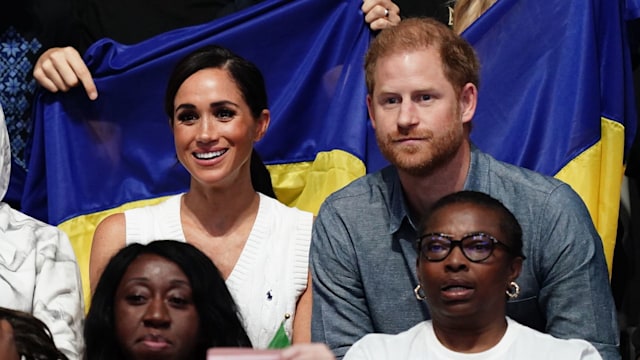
(108, 238)
(60, 69)
(374, 13)
(340, 311)
(57, 297)
(574, 286)
(302, 320)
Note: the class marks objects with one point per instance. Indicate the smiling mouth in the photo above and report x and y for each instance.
(209, 155)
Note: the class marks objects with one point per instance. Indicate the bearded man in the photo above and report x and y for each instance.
(422, 82)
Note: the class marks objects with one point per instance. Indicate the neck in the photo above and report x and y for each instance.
(422, 191)
(220, 210)
(466, 337)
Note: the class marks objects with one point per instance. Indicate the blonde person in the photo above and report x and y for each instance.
(465, 12)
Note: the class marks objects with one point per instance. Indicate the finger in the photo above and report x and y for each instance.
(84, 75)
(65, 62)
(46, 74)
(43, 80)
(380, 24)
(53, 68)
(367, 5)
(376, 13)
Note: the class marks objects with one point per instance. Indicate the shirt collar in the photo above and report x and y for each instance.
(398, 207)
(399, 210)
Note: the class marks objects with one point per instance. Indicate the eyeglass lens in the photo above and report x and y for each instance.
(475, 247)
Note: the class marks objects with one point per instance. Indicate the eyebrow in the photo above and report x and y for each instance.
(145, 280)
(213, 105)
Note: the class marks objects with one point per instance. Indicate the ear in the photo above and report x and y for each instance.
(515, 268)
(262, 123)
(467, 102)
(370, 111)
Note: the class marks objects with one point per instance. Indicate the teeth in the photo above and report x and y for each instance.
(209, 155)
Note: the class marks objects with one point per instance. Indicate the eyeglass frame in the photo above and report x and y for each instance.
(458, 242)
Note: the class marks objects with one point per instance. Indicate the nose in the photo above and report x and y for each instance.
(156, 314)
(207, 130)
(407, 117)
(456, 261)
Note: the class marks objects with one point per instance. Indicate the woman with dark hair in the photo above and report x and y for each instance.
(23, 336)
(165, 298)
(216, 102)
(469, 258)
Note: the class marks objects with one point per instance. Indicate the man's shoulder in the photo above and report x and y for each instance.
(523, 190)
(370, 186)
(519, 179)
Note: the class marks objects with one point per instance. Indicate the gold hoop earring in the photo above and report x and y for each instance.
(419, 294)
(514, 290)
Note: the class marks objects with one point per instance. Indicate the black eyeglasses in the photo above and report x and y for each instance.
(476, 246)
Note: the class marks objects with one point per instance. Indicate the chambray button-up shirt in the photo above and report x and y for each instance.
(363, 259)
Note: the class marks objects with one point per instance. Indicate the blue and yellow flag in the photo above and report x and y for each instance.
(91, 159)
(556, 95)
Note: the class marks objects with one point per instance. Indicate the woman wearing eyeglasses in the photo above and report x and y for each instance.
(469, 259)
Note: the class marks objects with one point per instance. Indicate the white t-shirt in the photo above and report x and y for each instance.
(519, 342)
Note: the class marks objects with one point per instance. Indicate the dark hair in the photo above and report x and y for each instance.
(459, 61)
(219, 323)
(508, 222)
(244, 73)
(249, 80)
(32, 337)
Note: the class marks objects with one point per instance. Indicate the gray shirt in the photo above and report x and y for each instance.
(363, 259)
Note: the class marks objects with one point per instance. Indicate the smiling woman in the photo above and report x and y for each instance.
(164, 300)
(216, 103)
(469, 259)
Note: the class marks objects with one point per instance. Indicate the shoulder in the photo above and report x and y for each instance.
(25, 232)
(275, 208)
(164, 207)
(283, 227)
(521, 187)
(505, 173)
(365, 185)
(365, 195)
(110, 231)
(547, 346)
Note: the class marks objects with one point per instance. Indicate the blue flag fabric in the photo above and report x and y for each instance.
(556, 95)
(550, 71)
(91, 156)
